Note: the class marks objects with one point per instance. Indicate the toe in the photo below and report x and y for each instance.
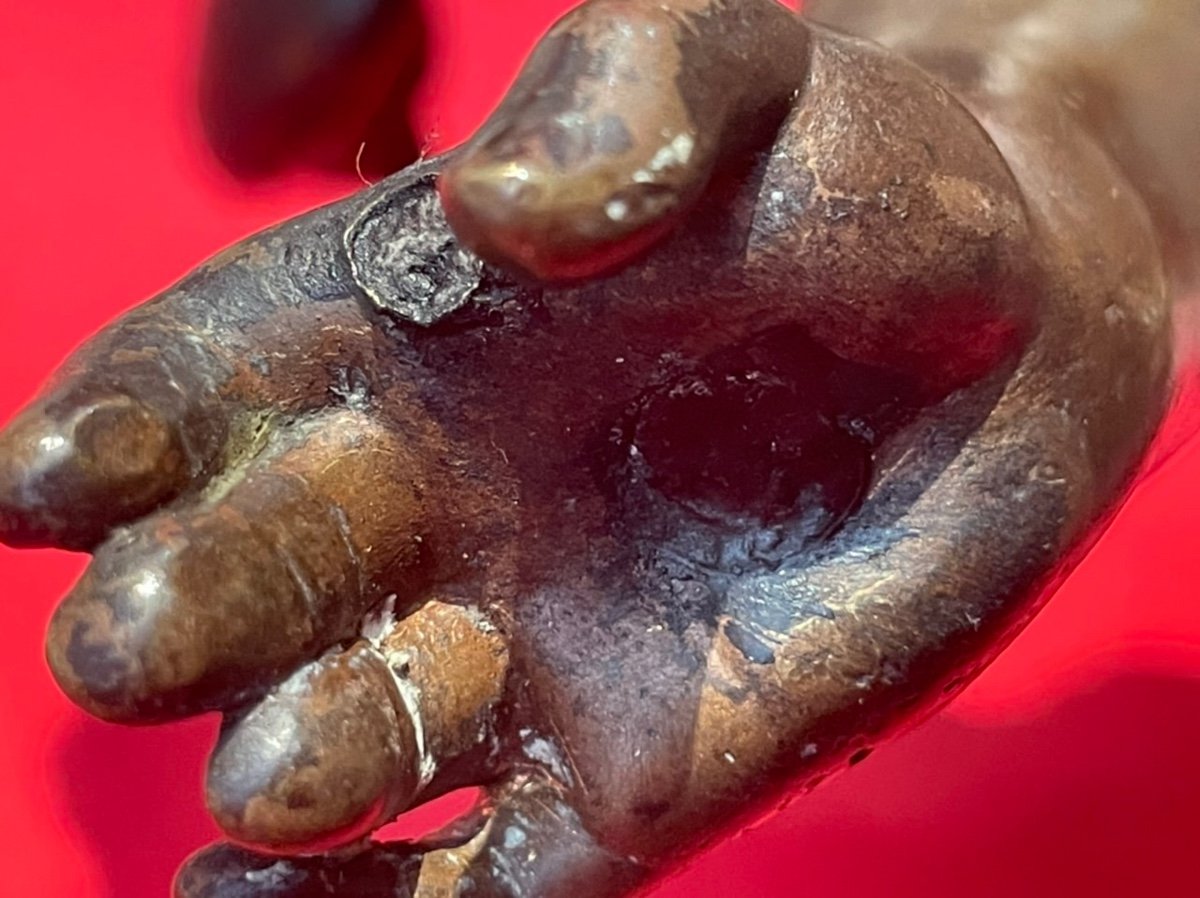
(225, 871)
(322, 761)
(351, 740)
(132, 421)
(614, 127)
(152, 406)
(203, 605)
(70, 466)
(526, 840)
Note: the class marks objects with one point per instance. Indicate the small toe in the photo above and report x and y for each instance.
(226, 871)
(351, 740)
(323, 760)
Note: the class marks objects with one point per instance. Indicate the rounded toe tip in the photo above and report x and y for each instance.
(71, 469)
(318, 764)
(94, 672)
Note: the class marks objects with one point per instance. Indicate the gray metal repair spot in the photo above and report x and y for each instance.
(405, 257)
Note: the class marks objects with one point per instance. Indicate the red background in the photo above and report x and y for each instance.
(1069, 768)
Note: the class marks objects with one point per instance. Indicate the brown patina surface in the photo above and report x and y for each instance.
(765, 384)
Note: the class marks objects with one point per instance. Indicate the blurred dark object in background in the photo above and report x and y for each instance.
(317, 83)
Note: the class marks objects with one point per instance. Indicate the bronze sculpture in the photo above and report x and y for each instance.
(771, 602)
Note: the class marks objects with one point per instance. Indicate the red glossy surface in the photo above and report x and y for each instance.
(1067, 769)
